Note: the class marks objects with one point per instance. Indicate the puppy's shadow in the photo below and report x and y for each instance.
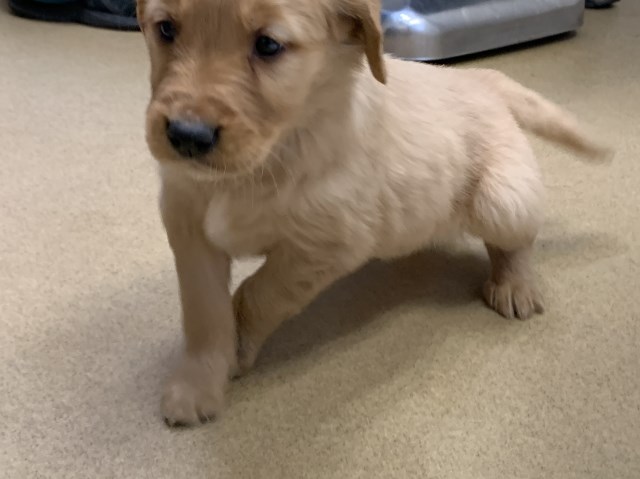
(433, 277)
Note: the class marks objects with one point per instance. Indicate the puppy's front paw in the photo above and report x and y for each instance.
(194, 393)
(514, 299)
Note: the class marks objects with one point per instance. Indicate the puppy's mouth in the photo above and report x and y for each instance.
(210, 167)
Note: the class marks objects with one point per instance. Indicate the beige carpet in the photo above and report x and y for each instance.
(397, 372)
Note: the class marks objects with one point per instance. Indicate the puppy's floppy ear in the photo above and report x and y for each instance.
(140, 13)
(366, 14)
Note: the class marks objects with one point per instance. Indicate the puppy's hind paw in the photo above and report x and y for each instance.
(519, 300)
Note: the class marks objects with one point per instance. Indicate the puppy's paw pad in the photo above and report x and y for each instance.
(193, 395)
(514, 300)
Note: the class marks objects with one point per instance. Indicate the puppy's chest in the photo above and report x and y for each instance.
(242, 226)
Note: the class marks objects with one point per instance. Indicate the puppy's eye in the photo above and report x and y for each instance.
(167, 31)
(267, 47)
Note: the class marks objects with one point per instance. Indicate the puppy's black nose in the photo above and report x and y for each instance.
(192, 139)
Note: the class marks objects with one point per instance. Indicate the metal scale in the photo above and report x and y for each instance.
(439, 29)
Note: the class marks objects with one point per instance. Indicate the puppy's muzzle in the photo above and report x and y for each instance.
(192, 139)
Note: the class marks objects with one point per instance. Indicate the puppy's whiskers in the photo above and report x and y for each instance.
(285, 168)
(253, 188)
(275, 182)
(277, 156)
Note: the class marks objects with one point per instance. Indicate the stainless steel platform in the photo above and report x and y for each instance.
(441, 29)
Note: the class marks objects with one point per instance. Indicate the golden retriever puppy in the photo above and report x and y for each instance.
(282, 130)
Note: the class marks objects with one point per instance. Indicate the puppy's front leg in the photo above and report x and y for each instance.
(195, 391)
(287, 282)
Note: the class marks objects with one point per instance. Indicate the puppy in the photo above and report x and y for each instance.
(282, 130)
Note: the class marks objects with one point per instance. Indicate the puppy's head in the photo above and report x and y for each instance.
(229, 77)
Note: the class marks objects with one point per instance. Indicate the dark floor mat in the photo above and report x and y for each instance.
(114, 14)
(599, 3)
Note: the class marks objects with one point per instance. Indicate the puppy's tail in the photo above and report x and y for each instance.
(538, 115)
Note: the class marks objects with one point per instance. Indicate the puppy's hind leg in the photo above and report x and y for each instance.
(506, 212)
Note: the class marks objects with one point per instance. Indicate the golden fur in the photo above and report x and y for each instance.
(325, 163)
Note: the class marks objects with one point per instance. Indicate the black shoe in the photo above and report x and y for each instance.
(599, 3)
(115, 14)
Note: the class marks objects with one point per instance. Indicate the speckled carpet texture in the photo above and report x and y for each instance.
(397, 372)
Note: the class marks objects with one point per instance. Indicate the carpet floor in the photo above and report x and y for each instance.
(398, 371)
